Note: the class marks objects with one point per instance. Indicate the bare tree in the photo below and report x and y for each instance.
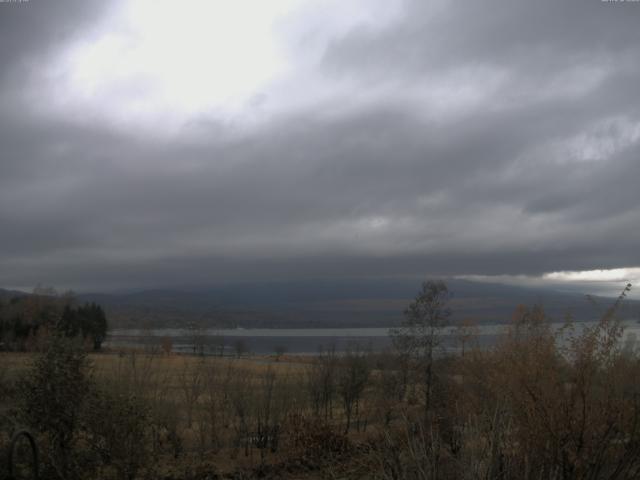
(218, 344)
(240, 347)
(420, 332)
(321, 383)
(390, 385)
(191, 380)
(465, 332)
(196, 332)
(213, 401)
(240, 400)
(272, 401)
(352, 381)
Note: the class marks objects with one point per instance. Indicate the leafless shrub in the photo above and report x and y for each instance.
(321, 383)
(352, 380)
(314, 441)
(389, 385)
(240, 391)
(117, 431)
(213, 403)
(191, 381)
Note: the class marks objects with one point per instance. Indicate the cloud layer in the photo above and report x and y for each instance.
(497, 138)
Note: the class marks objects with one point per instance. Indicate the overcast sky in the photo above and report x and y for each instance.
(157, 143)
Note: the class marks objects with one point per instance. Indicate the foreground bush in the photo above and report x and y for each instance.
(541, 404)
(82, 429)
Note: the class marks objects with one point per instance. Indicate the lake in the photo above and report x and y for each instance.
(296, 340)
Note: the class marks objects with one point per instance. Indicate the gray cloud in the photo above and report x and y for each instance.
(29, 31)
(535, 175)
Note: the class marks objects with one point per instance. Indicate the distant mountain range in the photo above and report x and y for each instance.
(6, 294)
(322, 303)
(336, 304)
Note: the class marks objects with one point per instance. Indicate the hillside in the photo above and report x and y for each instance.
(345, 303)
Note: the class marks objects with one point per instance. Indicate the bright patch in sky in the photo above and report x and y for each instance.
(611, 275)
(162, 63)
(164, 56)
(608, 282)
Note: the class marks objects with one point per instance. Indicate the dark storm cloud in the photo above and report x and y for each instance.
(522, 36)
(538, 175)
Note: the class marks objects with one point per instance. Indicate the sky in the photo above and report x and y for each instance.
(155, 143)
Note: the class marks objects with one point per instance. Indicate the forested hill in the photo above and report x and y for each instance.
(8, 294)
(334, 304)
(26, 320)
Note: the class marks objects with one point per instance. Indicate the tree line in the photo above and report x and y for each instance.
(25, 320)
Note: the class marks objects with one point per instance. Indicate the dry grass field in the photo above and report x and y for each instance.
(207, 414)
